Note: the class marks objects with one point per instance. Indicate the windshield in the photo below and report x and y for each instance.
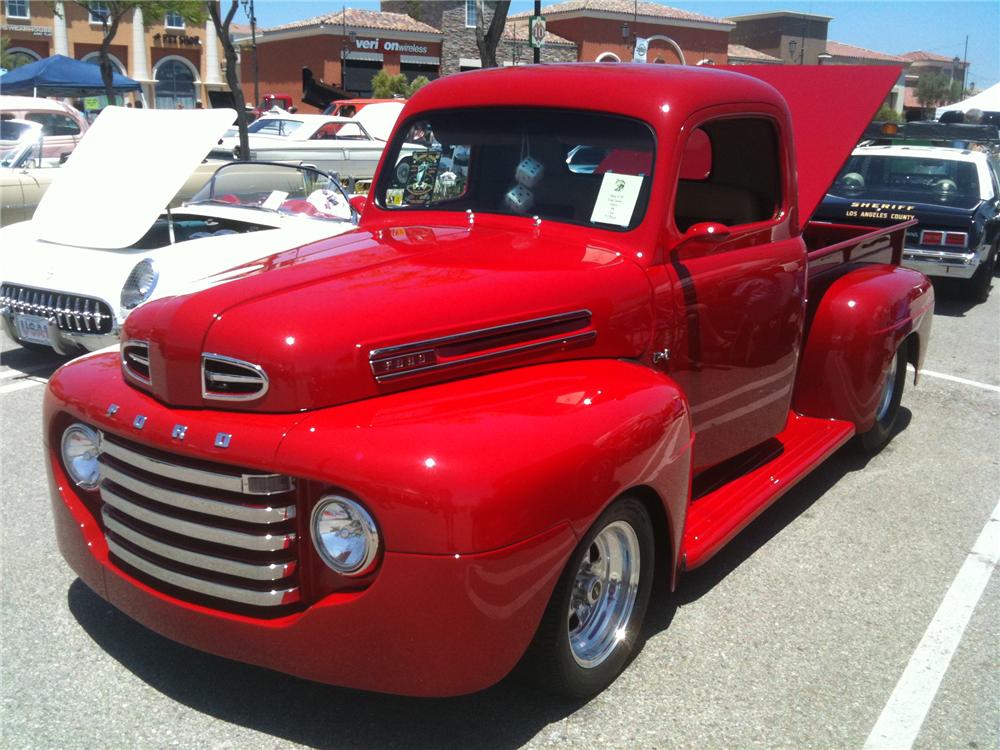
(574, 167)
(274, 126)
(285, 189)
(914, 179)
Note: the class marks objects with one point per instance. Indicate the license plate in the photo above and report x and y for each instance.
(32, 328)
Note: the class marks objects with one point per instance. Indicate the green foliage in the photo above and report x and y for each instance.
(418, 83)
(10, 61)
(888, 114)
(937, 89)
(385, 86)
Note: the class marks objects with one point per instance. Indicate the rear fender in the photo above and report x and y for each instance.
(860, 322)
(480, 463)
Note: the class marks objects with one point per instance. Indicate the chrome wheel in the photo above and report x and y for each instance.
(603, 594)
(888, 390)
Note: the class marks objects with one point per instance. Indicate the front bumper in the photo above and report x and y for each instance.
(943, 263)
(63, 342)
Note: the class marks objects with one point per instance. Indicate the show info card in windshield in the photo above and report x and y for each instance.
(616, 199)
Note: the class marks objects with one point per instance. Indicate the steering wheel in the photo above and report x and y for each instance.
(946, 186)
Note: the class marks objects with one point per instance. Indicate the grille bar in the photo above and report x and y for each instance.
(240, 540)
(273, 598)
(248, 484)
(69, 311)
(197, 503)
(266, 572)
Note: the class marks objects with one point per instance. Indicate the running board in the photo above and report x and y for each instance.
(721, 514)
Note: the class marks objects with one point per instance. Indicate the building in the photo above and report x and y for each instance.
(794, 38)
(344, 49)
(925, 63)
(742, 55)
(456, 20)
(606, 30)
(839, 53)
(177, 65)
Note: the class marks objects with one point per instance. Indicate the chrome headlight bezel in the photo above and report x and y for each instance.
(135, 292)
(90, 476)
(348, 515)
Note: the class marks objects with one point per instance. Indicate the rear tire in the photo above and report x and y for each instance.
(592, 624)
(887, 410)
(978, 287)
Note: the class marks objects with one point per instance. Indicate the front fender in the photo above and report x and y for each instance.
(480, 463)
(859, 324)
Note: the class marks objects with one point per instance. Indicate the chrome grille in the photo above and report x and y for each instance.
(71, 312)
(200, 529)
(227, 379)
(135, 360)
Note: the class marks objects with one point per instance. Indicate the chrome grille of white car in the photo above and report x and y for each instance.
(200, 530)
(71, 312)
(227, 379)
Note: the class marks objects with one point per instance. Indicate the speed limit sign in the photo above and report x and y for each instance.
(536, 31)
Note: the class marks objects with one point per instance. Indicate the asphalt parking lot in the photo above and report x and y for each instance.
(822, 617)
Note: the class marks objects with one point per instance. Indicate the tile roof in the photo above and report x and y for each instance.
(627, 8)
(920, 55)
(365, 19)
(746, 53)
(838, 49)
(517, 29)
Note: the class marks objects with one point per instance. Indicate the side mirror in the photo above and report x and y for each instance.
(358, 203)
(701, 238)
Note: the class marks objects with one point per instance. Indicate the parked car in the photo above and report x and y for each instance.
(62, 125)
(468, 435)
(25, 174)
(954, 193)
(350, 107)
(351, 147)
(70, 281)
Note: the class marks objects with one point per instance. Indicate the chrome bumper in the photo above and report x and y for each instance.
(66, 343)
(944, 263)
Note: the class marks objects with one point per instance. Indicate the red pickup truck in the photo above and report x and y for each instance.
(566, 351)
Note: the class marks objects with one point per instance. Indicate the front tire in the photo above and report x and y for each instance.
(887, 410)
(592, 624)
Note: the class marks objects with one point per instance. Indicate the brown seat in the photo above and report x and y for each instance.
(705, 201)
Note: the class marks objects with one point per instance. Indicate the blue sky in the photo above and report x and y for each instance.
(897, 26)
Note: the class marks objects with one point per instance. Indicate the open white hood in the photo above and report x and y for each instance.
(123, 174)
(379, 118)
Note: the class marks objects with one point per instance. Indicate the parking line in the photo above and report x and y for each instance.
(900, 721)
(19, 385)
(956, 379)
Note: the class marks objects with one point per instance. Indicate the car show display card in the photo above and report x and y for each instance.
(616, 199)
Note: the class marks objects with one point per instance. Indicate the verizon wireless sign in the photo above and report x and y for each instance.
(387, 45)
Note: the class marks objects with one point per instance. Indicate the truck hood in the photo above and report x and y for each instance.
(389, 309)
(124, 173)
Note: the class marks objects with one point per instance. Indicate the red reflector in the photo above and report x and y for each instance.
(932, 238)
(956, 238)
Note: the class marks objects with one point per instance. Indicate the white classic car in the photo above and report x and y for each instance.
(101, 243)
(350, 146)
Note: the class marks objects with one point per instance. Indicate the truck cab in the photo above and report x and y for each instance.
(566, 350)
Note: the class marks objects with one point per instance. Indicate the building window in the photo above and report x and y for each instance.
(175, 87)
(471, 11)
(99, 12)
(174, 21)
(17, 56)
(17, 9)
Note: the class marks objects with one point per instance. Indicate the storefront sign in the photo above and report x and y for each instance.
(536, 31)
(177, 39)
(386, 45)
(33, 30)
(641, 50)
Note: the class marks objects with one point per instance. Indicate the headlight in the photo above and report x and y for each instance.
(81, 446)
(140, 284)
(345, 535)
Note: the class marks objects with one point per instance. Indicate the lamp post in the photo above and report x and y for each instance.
(793, 44)
(823, 57)
(626, 33)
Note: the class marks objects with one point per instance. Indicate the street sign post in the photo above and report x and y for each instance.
(536, 31)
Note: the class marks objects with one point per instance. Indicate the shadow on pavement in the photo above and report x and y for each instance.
(504, 716)
(34, 362)
(949, 297)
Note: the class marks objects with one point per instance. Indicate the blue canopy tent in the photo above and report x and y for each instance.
(62, 76)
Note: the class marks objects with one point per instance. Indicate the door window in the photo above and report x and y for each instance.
(54, 124)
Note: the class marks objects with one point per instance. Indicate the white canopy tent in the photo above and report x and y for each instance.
(987, 100)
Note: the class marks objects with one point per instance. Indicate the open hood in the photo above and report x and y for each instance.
(830, 106)
(123, 174)
(379, 119)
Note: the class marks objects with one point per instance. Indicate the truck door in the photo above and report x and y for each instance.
(738, 288)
